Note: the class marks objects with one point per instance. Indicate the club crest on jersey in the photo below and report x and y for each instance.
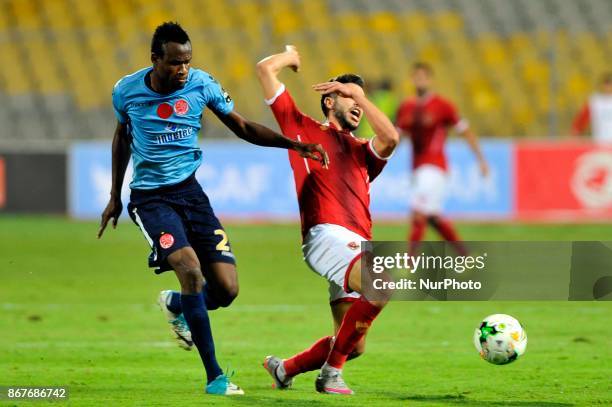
(164, 110)
(226, 96)
(166, 240)
(181, 107)
(353, 245)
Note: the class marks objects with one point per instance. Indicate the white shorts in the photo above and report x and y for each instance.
(428, 189)
(330, 251)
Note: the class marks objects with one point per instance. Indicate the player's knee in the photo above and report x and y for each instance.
(191, 280)
(433, 220)
(380, 302)
(419, 217)
(230, 293)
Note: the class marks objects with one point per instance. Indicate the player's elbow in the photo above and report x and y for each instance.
(392, 139)
(263, 68)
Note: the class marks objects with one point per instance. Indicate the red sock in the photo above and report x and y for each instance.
(447, 231)
(355, 324)
(416, 234)
(310, 359)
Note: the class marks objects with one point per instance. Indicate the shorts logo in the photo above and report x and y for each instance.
(164, 110)
(181, 107)
(166, 241)
(353, 245)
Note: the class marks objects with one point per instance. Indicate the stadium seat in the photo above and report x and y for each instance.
(486, 54)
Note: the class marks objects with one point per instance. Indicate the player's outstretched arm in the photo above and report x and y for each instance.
(269, 68)
(472, 140)
(260, 135)
(121, 157)
(387, 137)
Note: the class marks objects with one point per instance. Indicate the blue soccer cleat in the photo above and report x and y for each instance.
(222, 386)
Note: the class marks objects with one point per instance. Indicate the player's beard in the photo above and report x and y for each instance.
(344, 123)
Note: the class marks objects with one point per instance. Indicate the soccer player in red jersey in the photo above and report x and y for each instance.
(334, 210)
(426, 119)
(597, 112)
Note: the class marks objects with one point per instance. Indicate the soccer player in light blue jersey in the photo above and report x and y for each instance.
(159, 110)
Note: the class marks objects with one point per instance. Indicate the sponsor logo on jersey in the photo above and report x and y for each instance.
(175, 134)
(228, 254)
(172, 127)
(164, 110)
(353, 245)
(166, 240)
(181, 107)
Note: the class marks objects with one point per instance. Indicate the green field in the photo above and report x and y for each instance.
(80, 312)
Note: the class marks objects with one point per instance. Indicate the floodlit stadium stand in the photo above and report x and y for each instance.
(511, 68)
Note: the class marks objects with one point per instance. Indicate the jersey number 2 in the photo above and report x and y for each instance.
(222, 245)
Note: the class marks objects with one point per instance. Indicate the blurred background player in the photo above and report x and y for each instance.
(159, 112)
(426, 119)
(597, 113)
(382, 95)
(334, 210)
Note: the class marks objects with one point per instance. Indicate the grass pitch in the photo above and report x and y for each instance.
(80, 313)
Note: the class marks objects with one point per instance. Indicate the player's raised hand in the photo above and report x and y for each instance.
(112, 211)
(348, 90)
(294, 57)
(314, 152)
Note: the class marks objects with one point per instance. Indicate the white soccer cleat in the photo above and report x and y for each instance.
(177, 322)
(272, 364)
(332, 383)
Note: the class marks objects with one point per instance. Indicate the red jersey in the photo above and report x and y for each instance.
(338, 195)
(427, 122)
(597, 112)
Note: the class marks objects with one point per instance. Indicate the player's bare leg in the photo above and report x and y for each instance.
(355, 324)
(448, 232)
(417, 230)
(186, 266)
(313, 358)
(221, 286)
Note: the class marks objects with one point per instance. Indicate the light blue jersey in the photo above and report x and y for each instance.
(165, 128)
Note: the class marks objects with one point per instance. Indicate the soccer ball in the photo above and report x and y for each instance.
(500, 339)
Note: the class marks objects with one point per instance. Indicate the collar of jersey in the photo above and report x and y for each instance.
(151, 91)
(333, 126)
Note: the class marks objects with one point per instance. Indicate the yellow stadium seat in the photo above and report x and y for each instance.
(384, 22)
(56, 12)
(448, 22)
(26, 14)
(44, 66)
(89, 13)
(11, 85)
(415, 24)
(536, 71)
(286, 22)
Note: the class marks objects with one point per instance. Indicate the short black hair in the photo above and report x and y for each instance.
(165, 33)
(345, 78)
(420, 65)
